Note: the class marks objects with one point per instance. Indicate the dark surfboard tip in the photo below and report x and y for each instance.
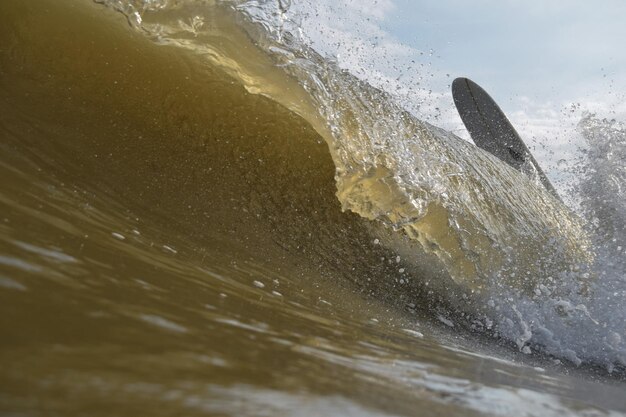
(464, 87)
(490, 129)
(458, 82)
(465, 94)
(458, 85)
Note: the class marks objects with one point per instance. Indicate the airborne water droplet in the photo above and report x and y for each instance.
(284, 5)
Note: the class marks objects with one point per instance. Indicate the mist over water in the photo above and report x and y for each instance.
(203, 212)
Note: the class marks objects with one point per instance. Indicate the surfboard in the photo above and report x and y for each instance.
(490, 129)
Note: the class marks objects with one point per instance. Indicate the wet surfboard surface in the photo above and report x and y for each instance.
(491, 130)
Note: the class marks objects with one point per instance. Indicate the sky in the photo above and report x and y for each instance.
(545, 62)
(550, 49)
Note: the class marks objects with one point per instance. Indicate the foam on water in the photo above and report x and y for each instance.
(172, 238)
(502, 255)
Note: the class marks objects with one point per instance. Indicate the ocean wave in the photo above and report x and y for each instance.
(261, 146)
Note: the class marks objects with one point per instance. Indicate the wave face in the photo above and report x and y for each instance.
(197, 204)
(466, 223)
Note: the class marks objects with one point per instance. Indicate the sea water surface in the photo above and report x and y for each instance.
(202, 215)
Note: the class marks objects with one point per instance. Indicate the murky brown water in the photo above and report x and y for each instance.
(172, 245)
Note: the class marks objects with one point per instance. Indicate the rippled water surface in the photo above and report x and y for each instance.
(173, 243)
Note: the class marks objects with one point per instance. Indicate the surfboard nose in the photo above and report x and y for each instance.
(491, 131)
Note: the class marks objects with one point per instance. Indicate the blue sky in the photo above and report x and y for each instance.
(550, 50)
